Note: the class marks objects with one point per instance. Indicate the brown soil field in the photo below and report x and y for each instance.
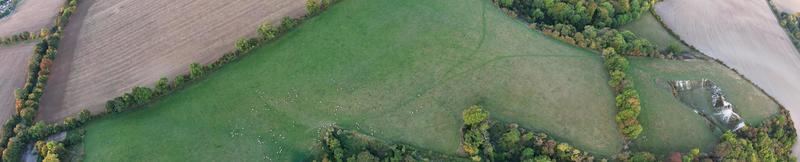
(30, 15)
(788, 6)
(110, 47)
(13, 63)
(744, 35)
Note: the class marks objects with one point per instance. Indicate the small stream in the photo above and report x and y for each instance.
(707, 100)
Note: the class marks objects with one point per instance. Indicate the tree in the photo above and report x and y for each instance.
(141, 95)
(474, 115)
(674, 48)
(162, 85)
(537, 15)
(312, 7)
(51, 158)
(365, 156)
(195, 71)
(244, 44)
(506, 3)
(510, 140)
(288, 23)
(84, 116)
(267, 31)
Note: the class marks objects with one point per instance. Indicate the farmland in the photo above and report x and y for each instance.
(399, 70)
(678, 126)
(757, 48)
(13, 61)
(31, 16)
(128, 46)
(788, 6)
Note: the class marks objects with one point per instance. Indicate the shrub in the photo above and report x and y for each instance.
(141, 95)
(162, 86)
(267, 31)
(674, 48)
(195, 71)
(506, 3)
(474, 115)
(288, 23)
(312, 7)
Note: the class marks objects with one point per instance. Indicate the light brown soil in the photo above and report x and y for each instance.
(110, 46)
(31, 16)
(13, 63)
(745, 35)
(788, 6)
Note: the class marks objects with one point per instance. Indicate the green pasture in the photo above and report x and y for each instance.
(396, 70)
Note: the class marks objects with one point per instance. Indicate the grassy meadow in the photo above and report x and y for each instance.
(396, 70)
(648, 27)
(669, 124)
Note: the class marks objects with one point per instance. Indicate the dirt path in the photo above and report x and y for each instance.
(30, 15)
(745, 35)
(111, 46)
(13, 63)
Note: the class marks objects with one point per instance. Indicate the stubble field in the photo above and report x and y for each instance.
(788, 6)
(13, 70)
(112, 46)
(31, 16)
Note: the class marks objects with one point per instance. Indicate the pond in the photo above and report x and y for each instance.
(708, 101)
(6, 7)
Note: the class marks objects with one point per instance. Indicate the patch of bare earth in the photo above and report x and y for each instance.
(745, 35)
(31, 16)
(788, 6)
(111, 46)
(13, 70)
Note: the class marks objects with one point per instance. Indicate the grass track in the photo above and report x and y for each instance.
(399, 70)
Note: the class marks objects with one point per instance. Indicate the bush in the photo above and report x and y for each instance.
(474, 115)
(288, 23)
(674, 49)
(141, 95)
(195, 71)
(162, 86)
(267, 31)
(312, 7)
(506, 3)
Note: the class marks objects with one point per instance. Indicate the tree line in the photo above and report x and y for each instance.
(20, 128)
(549, 16)
(338, 145)
(789, 23)
(772, 140)
(139, 96)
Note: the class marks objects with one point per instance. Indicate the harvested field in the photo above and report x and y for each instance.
(30, 15)
(788, 6)
(746, 36)
(112, 46)
(397, 70)
(13, 70)
(674, 126)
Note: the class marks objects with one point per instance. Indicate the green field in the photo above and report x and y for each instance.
(671, 125)
(648, 27)
(397, 70)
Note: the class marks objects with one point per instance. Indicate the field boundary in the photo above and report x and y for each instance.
(27, 98)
